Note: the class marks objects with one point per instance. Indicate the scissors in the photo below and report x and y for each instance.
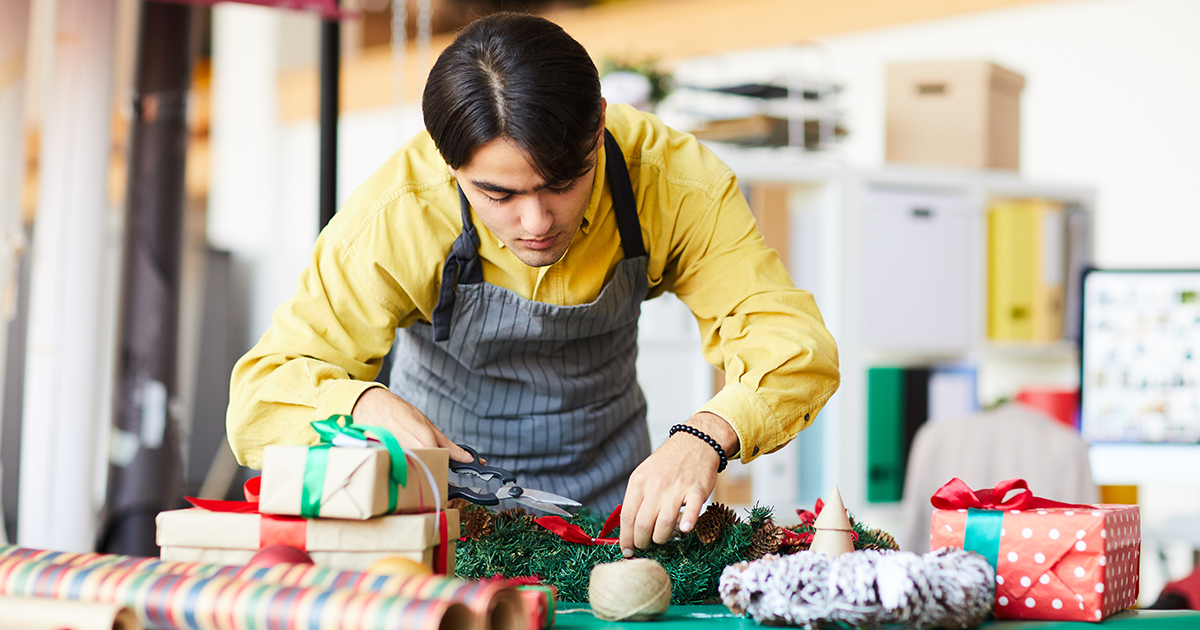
(537, 499)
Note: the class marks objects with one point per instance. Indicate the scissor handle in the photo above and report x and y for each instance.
(459, 492)
(482, 471)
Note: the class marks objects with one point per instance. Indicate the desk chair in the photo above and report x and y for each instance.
(1012, 441)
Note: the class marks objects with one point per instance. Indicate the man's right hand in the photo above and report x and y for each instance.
(380, 407)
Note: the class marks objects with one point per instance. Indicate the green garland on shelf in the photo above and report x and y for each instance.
(512, 545)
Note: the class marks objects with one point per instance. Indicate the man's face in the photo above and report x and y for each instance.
(535, 219)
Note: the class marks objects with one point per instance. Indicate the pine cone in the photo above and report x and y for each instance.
(477, 524)
(713, 521)
(516, 516)
(764, 541)
(877, 539)
(462, 505)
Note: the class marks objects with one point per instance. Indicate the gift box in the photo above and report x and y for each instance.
(1053, 561)
(351, 483)
(233, 537)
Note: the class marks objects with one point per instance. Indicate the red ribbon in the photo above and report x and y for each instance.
(571, 532)
(272, 529)
(956, 494)
(442, 551)
(808, 518)
(791, 538)
(292, 531)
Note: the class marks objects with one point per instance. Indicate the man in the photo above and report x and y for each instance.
(507, 251)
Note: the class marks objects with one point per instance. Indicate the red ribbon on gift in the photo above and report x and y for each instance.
(273, 529)
(571, 532)
(440, 558)
(956, 494)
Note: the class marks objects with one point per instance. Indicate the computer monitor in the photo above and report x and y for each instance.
(1140, 357)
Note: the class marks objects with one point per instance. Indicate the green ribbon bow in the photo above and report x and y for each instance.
(318, 458)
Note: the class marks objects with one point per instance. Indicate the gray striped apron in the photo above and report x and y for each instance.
(548, 392)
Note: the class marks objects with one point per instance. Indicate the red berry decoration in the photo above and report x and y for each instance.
(279, 554)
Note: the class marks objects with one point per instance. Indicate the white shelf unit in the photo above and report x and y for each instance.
(852, 251)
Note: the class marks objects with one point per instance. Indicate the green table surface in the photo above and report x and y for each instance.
(579, 617)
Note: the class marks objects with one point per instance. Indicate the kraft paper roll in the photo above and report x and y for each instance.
(221, 603)
(37, 613)
(495, 605)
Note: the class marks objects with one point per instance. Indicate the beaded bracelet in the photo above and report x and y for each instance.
(703, 436)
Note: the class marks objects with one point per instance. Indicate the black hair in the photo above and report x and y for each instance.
(517, 76)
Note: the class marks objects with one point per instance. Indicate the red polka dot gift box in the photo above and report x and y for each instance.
(1054, 561)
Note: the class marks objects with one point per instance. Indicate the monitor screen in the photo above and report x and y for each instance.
(1140, 376)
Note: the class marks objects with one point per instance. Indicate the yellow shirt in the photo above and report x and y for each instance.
(378, 265)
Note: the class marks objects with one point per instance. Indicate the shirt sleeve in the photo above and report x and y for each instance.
(326, 344)
(322, 351)
(780, 362)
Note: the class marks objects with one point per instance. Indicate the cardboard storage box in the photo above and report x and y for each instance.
(964, 114)
(354, 482)
(232, 538)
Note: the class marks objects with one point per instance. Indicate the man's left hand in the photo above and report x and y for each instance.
(680, 474)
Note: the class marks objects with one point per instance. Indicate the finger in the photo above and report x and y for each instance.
(424, 436)
(644, 525)
(691, 511)
(458, 453)
(629, 510)
(664, 525)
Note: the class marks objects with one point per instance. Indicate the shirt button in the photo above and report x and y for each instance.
(806, 417)
(755, 452)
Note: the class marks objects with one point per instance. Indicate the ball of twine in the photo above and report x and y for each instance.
(629, 590)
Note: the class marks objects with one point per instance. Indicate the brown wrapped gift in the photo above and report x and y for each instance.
(199, 535)
(356, 482)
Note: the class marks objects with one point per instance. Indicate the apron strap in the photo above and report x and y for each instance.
(463, 266)
(623, 199)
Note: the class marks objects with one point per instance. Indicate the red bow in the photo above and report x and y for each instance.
(956, 494)
(808, 518)
(272, 529)
(792, 538)
(571, 532)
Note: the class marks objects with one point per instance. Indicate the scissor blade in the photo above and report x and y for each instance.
(524, 499)
(549, 497)
(545, 507)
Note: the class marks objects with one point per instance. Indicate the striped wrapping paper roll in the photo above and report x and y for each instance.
(40, 613)
(496, 605)
(177, 601)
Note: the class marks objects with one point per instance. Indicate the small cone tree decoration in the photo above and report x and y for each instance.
(833, 534)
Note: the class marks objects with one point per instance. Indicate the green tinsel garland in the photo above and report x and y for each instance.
(518, 547)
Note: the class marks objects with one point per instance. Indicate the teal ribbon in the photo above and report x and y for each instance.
(983, 534)
(316, 461)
